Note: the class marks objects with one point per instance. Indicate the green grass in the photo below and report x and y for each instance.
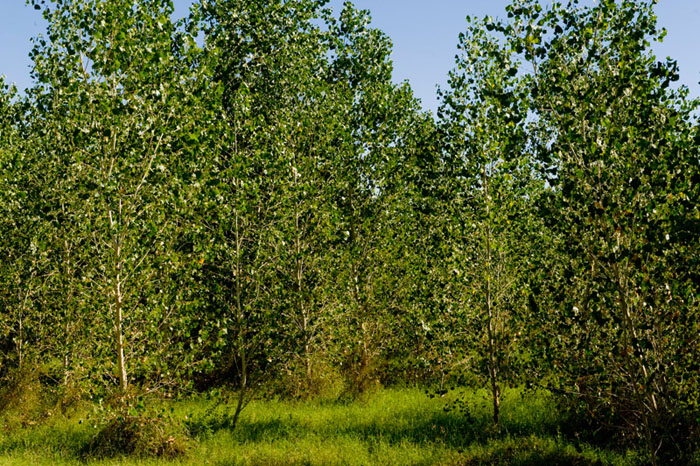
(392, 427)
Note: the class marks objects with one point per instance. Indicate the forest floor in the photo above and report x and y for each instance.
(390, 427)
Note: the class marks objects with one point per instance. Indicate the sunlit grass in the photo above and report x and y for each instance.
(397, 427)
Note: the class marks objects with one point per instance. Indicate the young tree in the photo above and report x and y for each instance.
(109, 85)
(261, 182)
(372, 142)
(15, 288)
(490, 177)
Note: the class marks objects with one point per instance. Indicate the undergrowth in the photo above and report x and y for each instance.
(398, 427)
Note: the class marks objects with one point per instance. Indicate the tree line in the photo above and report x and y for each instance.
(244, 197)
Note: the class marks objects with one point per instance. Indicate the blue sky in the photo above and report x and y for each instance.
(424, 33)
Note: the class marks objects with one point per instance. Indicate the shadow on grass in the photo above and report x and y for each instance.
(525, 453)
(453, 430)
(246, 430)
(526, 437)
(61, 440)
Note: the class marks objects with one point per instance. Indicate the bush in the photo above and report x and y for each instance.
(137, 435)
(23, 400)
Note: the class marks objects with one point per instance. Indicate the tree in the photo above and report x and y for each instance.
(491, 182)
(108, 84)
(24, 275)
(372, 141)
(262, 183)
(621, 153)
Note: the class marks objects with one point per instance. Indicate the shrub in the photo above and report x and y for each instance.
(23, 400)
(137, 435)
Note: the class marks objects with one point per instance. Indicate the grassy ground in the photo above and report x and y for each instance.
(392, 427)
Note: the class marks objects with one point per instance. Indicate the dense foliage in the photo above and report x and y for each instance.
(244, 197)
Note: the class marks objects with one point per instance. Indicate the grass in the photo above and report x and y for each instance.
(392, 427)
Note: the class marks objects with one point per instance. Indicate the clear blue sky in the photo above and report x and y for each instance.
(424, 33)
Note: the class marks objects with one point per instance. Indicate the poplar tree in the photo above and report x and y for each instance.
(108, 85)
(490, 177)
(621, 151)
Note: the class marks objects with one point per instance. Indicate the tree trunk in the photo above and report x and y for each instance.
(240, 321)
(495, 392)
(299, 278)
(20, 341)
(119, 334)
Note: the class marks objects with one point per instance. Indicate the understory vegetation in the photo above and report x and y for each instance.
(398, 426)
(231, 237)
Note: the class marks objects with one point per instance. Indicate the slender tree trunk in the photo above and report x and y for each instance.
(363, 315)
(493, 374)
(492, 355)
(20, 341)
(119, 302)
(243, 390)
(243, 382)
(240, 321)
(66, 364)
(299, 277)
(493, 370)
(119, 333)
(364, 357)
(307, 353)
(68, 292)
(66, 356)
